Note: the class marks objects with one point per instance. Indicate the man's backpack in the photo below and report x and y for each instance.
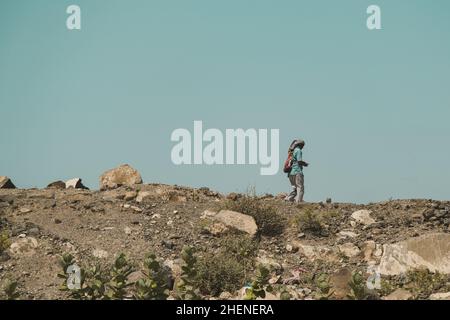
(288, 163)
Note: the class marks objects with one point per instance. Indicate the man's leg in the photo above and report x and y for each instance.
(293, 193)
(300, 186)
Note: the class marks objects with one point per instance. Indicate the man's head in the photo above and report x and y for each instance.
(301, 143)
(297, 143)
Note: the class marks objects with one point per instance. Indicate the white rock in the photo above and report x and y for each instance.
(24, 247)
(363, 217)
(100, 254)
(347, 234)
(399, 294)
(349, 250)
(123, 175)
(127, 230)
(440, 296)
(431, 251)
(237, 220)
(142, 195)
(75, 183)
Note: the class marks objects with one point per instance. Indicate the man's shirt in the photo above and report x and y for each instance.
(296, 156)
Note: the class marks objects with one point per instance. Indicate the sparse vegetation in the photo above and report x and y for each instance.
(423, 282)
(310, 222)
(187, 286)
(96, 282)
(259, 285)
(358, 288)
(155, 284)
(10, 290)
(4, 241)
(324, 286)
(268, 220)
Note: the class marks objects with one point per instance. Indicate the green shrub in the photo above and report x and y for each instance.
(259, 285)
(359, 290)
(10, 290)
(220, 272)
(4, 241)
(424, 282)
(310, 222)
(98, 282)
(154, 286)
(324, 286)
(268, 220)
(187, 285)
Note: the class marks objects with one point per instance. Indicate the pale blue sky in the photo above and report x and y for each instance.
(373, 107)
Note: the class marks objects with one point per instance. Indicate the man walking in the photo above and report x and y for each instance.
(295, 175)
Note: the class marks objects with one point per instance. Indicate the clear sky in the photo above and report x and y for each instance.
(373, 106)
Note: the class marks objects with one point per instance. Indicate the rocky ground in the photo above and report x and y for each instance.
(316, 250)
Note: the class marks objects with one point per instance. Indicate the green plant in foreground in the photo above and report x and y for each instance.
(323, 283)
(118, 282)
(357, 284)
(423, 282)
(154, 285)
(310, 222)
(259, 285)
(186, 287)
(9, 289)
(4, 241)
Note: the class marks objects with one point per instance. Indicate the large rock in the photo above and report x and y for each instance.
(440, 296)
(123, 175)
(75, 183)
(237, 220)
(431, 251)
(363, 217)
(57, 185)
(339, 283)
(6, 183)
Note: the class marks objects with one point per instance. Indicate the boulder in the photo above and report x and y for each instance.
(349, 250)
(363, 217)
(24, 247)
(237, 220)
(431, 251)
(57, 185)
(440, 296)
(6, 183)
(399, 294)
(339, 283)
(75, 183)
(123, 175)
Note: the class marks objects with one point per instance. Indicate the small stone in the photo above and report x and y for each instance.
(57, 221)
(175, 211)
(137, 209)
(25, 210)
(127, 206)
(130, 195)
(100, 254)
(399, 294)
(127, 230)
(349, 250)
